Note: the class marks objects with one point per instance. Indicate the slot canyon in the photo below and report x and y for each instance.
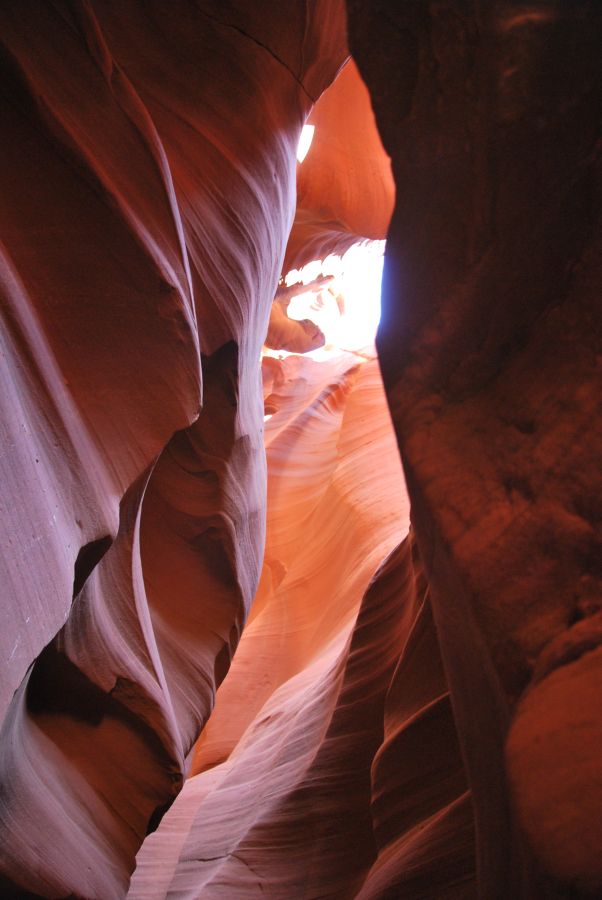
(294, 607)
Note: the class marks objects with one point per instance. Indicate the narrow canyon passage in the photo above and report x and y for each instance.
(290, 609)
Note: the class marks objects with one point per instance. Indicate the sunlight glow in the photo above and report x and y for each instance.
(307, 136)
(347, 309)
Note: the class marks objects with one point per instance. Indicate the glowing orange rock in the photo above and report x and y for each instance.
(148, 182)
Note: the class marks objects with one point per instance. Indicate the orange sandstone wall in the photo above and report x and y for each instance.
(345, 187)
(405, 716)
(148, 187)
(271, 776)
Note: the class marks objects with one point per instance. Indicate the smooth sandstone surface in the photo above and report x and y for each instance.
(345, 186)
(553, 752)
(399, 716)
(148, 191)
(285, 761)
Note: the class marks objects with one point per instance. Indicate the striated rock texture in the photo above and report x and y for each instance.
(255, 819)
(490, 347)
(336, 706)
(409, 714)
(148, 187)
(345, 188)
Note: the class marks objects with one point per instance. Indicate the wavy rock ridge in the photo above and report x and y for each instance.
(401, 713)
(158, 260)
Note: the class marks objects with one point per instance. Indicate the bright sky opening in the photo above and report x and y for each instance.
(307, 136)
(347, 310)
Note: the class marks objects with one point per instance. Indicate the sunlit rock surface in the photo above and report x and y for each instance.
(345, 185)
(286, 759)
(335, 706)
(148, 187)
(405, 716)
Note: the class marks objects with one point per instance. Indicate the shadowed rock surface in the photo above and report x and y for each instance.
(404, 711)
(490, 348)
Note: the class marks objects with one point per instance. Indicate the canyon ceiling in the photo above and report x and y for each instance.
(390, 560)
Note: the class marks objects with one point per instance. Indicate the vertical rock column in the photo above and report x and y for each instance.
(490, 347)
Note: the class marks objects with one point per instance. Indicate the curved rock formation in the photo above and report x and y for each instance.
(345, 188)
(297, 721)
(405, 716)
(330, 766)
(289, 334)
(165, 215)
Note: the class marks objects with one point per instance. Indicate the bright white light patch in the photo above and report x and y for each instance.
(307, 136)
(347, 309)
(361, 283)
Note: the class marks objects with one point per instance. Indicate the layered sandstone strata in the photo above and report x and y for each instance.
(148, 191)
(404, 717)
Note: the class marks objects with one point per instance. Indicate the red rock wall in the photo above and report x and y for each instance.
(345, 188)
(403, 718)
(490, 346)
(148, 190)
(285, 761)
(330, 766)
